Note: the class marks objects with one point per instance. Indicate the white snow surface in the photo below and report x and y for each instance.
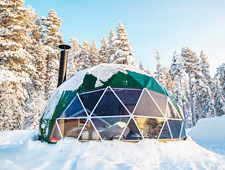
(102, 72)
(20, 150)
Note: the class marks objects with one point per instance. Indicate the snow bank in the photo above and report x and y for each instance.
(18, 150)
(210, 133)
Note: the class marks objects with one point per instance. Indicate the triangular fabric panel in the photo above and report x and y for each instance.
(71, 127)
(147, 107)
(75, 109)
(165, 134)
(160, 99)
(89, 132)
(55, 134)
(131, 132)
(175, 127)
(90, 99)
(110, 128)
(171, 111)
(149, 127)
(182, 135)
(109, 106)
(128, 96)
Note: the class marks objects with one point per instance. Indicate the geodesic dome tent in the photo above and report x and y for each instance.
(108, 102)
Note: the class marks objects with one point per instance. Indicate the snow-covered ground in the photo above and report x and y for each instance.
(20, 150)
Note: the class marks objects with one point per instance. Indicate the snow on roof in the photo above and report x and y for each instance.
(102, 72)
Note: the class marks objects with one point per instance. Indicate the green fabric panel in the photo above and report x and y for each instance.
(122, 80)
(64, 100)
(88, 83)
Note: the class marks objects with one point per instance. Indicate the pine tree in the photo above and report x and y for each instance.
(112, 46)
(191, 67)
(141, 66)
(123, 51)
(159, 69)
(103, 52)
(220, 74)
(148, 72)
(52, 38)
(93, 55)
(168, 82)
(219, 100)
(83, 60)
(15, 61)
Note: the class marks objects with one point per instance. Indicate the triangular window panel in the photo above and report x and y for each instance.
(128, 96)
(172, 111)
(89, 133)
(109, 106)
(165, 134)
(75, 109)
(147, 107)
(182, 135)
(110, 128)
(150, 128)
(55, 136)
(175, 127)
(90, 99)
(160, 99)
(71, 127)
(131, 132)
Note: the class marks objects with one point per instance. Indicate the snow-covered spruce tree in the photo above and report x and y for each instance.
(168, 82)
(220, 74)
(148, 72)
(52, 38)
(83, 60)
(103, 52)
(93, 55)
(219, 100)
(191, 67)
(112, 46)
(123, 52)
(159, 69)
(15, 62)
(141, 66)
(73, 57)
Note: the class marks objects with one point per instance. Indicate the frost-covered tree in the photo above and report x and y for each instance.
(112, 46)
(220, 74)
(191, 67)
(73, 57)
(123, 52)
(148, 72)
(141, 66)
(168, 82)
(159, 69)
(83, 60)
(52, 38)
(93, 54)
(103, 52)
(15, 61)
(219, 100)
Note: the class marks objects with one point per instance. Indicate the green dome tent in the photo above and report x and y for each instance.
(111, 101)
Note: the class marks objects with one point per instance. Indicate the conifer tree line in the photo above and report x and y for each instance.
(197, 93)
(29, 62)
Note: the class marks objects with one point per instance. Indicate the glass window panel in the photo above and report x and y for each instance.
(55, 134)
(89, 132)
(110, 128)
(128, 96)
(183, 132)
(150, 128)
(147, 107)
(160, 99)
(75, 109)
(71, 127)
(90, 99)
(165, 132)
(172, 111)
(175, 127)
(131, 132)
(109, 106)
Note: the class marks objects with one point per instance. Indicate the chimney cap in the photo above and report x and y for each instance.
(64, 47)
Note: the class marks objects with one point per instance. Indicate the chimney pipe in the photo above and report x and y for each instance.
(63, 63)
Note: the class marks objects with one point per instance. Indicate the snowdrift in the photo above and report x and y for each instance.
(20, 150)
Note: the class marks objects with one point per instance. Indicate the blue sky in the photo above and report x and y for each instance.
(150, 24)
